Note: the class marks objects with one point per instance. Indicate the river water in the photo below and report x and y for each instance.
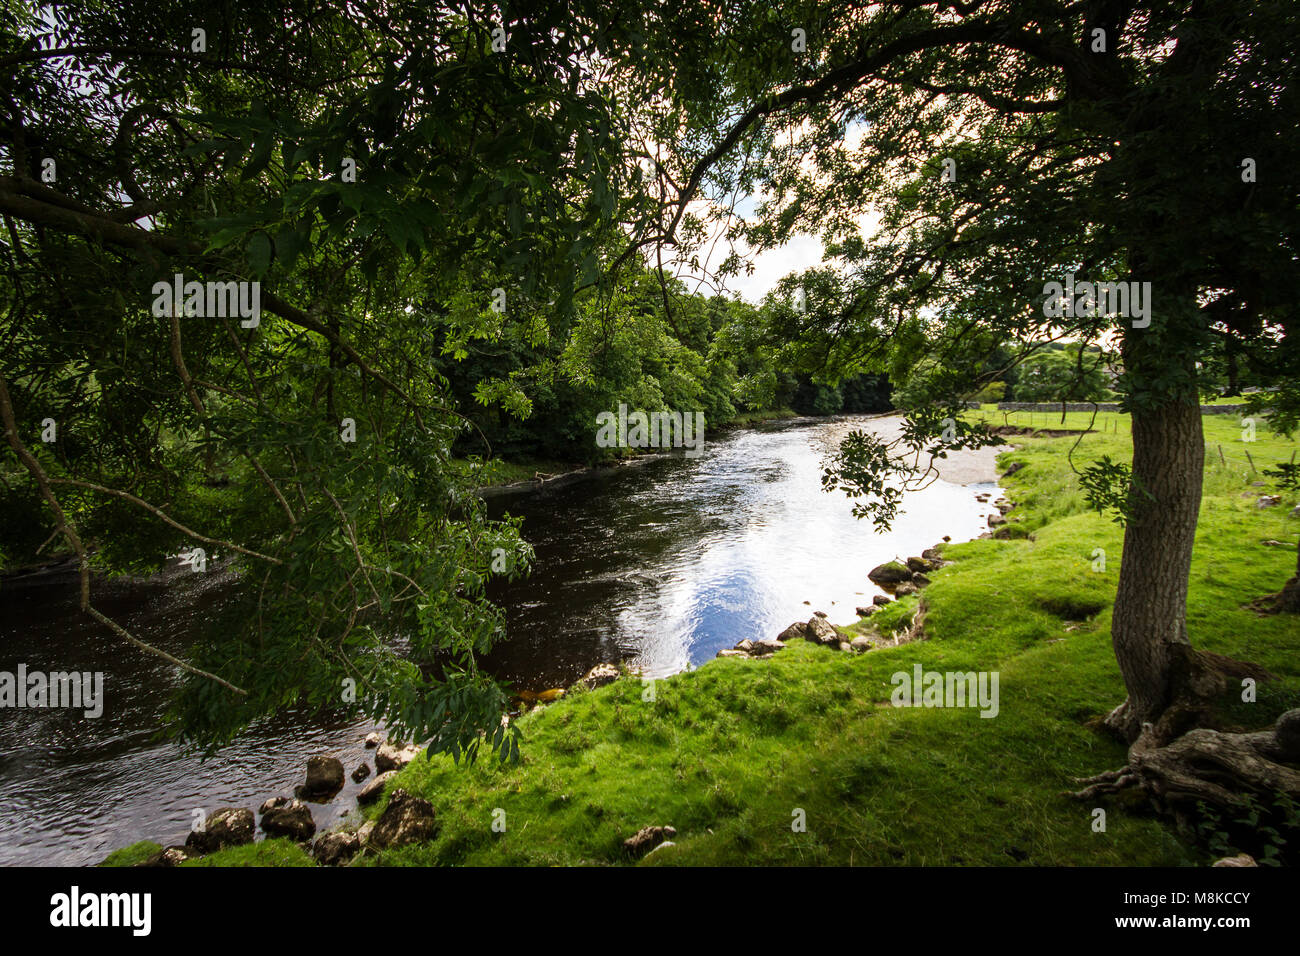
(657, 565)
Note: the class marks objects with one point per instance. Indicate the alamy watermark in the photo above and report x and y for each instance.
(75, 690)
(655, 430)
(923, 688)
(213, 300)
(1126, 299)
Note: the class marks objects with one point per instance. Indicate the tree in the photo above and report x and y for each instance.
(1008, 147)
(397, 179)
(1061, 376)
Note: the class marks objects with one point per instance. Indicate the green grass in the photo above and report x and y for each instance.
(133, 854)
(729, 753)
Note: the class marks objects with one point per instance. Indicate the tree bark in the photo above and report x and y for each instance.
(1149, 626)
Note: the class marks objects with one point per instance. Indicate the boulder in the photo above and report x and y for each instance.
(796, 630)
(646, 839)
(324, 778)
(171, 856)
(769, 645)
(599, 676)
(335, 847)
(919, 564)
(890, 573)
(389, 757)
(746, 645)
(406, 819)
(374, 739)
(819, 631)
(920, 580)
(362, 771)
(282, 817)
(375, 788)
(229, 826)
(931, 555)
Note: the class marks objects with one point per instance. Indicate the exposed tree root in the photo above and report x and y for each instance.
(1285, 601)
(1181, 760)
(1203, 765)
(1198, 682)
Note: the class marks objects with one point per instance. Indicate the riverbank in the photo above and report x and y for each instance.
(533, 473)
(734, 752)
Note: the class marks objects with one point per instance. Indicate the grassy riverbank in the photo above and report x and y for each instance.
(501, 472)
(728, 753)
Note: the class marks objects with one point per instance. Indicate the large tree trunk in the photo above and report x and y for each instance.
(1149, 627)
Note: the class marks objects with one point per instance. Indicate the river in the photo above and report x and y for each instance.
(657, 565)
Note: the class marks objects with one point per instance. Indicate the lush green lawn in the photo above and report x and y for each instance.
(729, 753)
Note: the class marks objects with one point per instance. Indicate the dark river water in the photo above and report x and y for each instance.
(658, 565)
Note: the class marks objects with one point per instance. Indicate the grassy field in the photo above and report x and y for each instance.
(734, 752)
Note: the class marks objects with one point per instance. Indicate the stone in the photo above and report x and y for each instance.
(406, 819)
(362, 771)
(861, 644)
(995, 520)
(324, 778)
(375, 788)
(1268, 501)
(931, 555)
(906, 588)
(599, 676)
(1241, 859)
(1010, 471)
(919, 564)
(335, 847)
(865, 611)
(389, 757)
(768, 645)
(821, 614)
(889, 573)
(880, 600)
(374, 739)
(646, 839)
(229, 826)
(920, 580)
(171, 856)
(746, 645)
(282, 817)
(796, 630)
(820, 631)
(731, 652)
(845, 646)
